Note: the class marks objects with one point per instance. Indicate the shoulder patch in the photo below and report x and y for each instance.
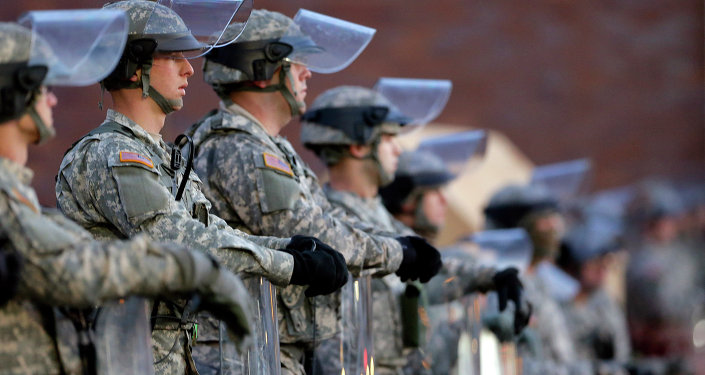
(126, 156)
(272, 161)
(20, 197)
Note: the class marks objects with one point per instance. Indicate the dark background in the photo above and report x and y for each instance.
(618, 81)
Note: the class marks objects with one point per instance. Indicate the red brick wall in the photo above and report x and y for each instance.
(619, 81)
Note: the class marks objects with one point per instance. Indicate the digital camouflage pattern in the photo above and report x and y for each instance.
(313, 134)
(118, 186)
(65, 266)
(149, 17)
(262, 25)
(259, 184)
(598, 327)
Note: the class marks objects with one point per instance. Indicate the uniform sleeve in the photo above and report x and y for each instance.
(459, 276)
(63, 265)
(268, 199)
(130, 196)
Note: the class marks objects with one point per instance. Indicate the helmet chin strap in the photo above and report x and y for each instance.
(167, 105)
(295, 106)
(383, 177)
(45, 133)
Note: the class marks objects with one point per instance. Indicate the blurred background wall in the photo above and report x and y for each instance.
(618, 81)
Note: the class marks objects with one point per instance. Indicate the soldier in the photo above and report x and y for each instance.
(256, 180)
(549, 344)
(598, 324)
(417, 199)
(362, 153)
(62, 265)
(118, 181)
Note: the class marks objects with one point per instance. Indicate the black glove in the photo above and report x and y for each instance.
(421, 260)
(316, 265)
(509, 288)
(9, 275)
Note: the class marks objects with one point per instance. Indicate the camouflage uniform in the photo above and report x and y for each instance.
(257, 183)
(388, 346)
(120, 184)
(64, 265)
(599, 317)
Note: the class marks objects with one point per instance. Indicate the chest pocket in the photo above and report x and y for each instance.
(277, 187)
(141, 191)
(43, 235)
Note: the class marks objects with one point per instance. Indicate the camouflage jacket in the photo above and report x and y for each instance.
(119, 185)
(259, 184)
(598, 318)
(65, 266)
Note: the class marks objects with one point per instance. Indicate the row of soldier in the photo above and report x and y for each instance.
(333, 276)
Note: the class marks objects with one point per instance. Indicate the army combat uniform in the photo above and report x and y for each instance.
(118, 182)
(258, 184)
(389, 347)
(65, 266)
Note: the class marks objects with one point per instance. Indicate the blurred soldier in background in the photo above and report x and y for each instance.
(62, 264)
(122, 179)
(549, 347)
(597, 323)
(353, 130)
(417, 199)
(664, 280)
(259, 184)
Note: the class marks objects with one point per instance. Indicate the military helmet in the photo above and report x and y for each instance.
(152, 28)
(19, 82)
(416, 171)
(349, 115)
(513, 203)
(257, 53)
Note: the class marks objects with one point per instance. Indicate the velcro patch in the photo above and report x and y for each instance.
(126, 156)
(272, 161)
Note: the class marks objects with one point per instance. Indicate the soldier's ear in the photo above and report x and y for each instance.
(135, 77)
(359, 151)
(260, 84)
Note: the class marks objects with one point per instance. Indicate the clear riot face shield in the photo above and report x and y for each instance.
(421, 100)
(208, 19)
(563, 180)
(325, 44)
(191, 27)
(458, 151)
(79, 47)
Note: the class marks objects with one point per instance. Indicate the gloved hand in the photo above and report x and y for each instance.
(316, 265)
(509, 288)
(421, 260)
(9, 275)
(219, 290)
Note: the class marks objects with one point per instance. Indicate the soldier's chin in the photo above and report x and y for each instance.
(176, 104)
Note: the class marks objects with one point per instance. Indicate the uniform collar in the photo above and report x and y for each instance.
(18, 171)
(139, 132)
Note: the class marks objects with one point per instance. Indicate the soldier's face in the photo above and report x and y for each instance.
(169, 75)
(301, 74)
(435, 206)
(388, 151)
(43, 104)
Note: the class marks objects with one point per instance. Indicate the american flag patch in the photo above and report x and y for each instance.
(24, 200)
(275, 163)
(136, 158)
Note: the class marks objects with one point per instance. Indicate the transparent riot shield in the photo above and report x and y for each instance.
(263, 358)
(350, 351)
(500, 249)
(563, 180)
(422, 100)
(454, 328)
(123, 338)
